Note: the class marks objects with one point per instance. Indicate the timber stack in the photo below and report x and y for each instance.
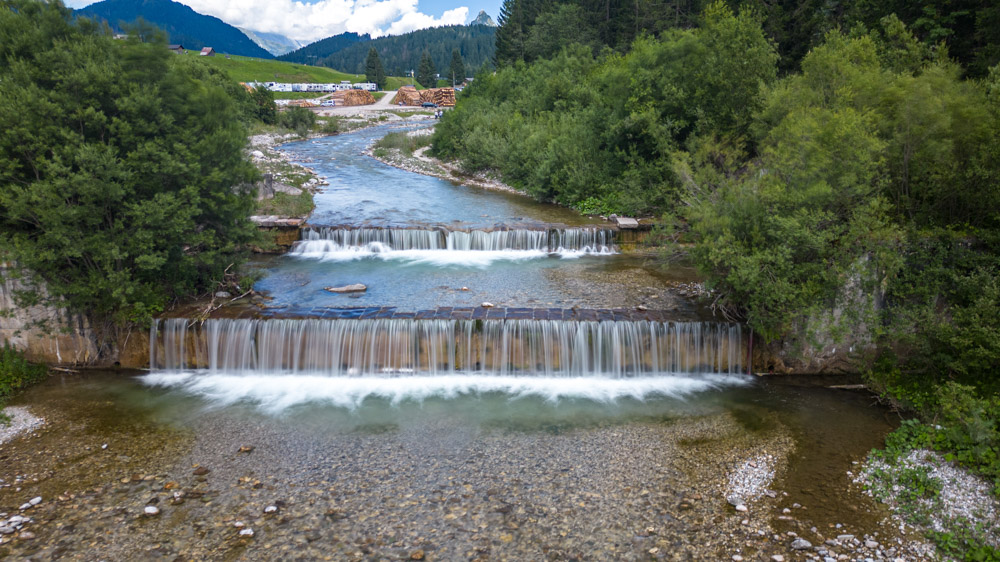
(444, 97)
(352, 97)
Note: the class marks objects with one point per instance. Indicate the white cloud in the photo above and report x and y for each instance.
(313, 21)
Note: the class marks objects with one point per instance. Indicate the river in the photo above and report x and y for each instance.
(592, 412)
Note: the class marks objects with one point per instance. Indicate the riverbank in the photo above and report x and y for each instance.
(434, 479)
(21, 421)
(419, 162)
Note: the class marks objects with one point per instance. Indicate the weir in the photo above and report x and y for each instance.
(411, 347)
(317, 241)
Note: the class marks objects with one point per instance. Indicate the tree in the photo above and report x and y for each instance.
(373, 69)
(457, 70)
(119, 165)
(426, 75)
(263, 103)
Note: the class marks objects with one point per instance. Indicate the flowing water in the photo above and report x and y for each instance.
(593, 412)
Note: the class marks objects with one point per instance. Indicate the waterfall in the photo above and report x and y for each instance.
(364, 242)
(397, 347)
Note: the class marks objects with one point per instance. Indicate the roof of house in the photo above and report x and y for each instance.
(175, 47)
(208, 51)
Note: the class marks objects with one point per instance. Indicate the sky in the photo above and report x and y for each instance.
(311, 20)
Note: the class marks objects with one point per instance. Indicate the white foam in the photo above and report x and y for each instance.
(276, 392)
(325, 250)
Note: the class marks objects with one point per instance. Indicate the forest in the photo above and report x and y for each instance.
(401, 53)
(833, 174)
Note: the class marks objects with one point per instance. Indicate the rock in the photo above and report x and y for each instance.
(741, 508)
(223, 295)
(151, 510)
(355, 288)
(239, 524)
(737, 558)
(246, 449)
(777, 558)
(871, 544)
(5, 530)
(643, 307)
(36, 500)
(417, 555)
(257, 154)
(25, 506)
(465, 288)
(26, 535)
(246, 532)
(801, 544)
(786, 511)
(201, 471)
(487, 305)
(271, 509)
(843, 538)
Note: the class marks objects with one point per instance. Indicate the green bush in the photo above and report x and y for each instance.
(298, 119)
(16, 373)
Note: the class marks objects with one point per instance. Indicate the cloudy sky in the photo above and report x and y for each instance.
(310, 20)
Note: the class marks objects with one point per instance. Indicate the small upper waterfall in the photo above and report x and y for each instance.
(331, 242)
(534, 348)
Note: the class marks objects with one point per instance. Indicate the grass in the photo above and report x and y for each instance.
(285, 205)
(16, 374)
(298, 95)
(378, 95)
(403, 142)
(248, 69)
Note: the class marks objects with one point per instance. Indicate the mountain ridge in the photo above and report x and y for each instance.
(182, 24)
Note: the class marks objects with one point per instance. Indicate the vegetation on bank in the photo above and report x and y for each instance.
(16, 374)
(844, 196)
(247, 69)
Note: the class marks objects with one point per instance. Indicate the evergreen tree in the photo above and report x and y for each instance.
(425, 72)
(457, 70)
(374, 71)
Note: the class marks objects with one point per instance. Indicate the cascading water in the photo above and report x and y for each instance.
(537, 348)
(385, 243)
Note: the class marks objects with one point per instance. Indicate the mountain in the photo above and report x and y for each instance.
(274, 43)
(401, 53)
(182, 24)
(483, 19)
(313, 52)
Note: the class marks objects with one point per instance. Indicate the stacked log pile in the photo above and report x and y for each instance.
(353, 97)
(443, 97)
(409, 95)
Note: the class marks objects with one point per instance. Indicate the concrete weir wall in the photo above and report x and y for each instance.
(52, 335)
(45, 333)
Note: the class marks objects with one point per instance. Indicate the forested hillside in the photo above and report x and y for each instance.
(182, 24)
(315, 52)
(401, 53)
(839, 186)
(530, 29)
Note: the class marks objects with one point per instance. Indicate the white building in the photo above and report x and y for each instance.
(370, 86)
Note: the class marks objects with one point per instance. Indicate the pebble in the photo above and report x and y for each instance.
(487, 305)
(5, 530)
(246, 532)
(778, 558)
(26, 535)
(151, 510)
(417, 555)
(25, 506)
(871, 544)
(201, 471)
(801, 544)
(741, 508)
(271, 509)
(737, 558)
(36, 500)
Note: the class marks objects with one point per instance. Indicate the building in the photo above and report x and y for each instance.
(179, 49)
(370, 86)
(207, 52)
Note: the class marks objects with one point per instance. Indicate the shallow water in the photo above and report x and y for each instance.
(366, 192)
(501, 474)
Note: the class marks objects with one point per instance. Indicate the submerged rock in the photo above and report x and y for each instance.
(355, 288)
